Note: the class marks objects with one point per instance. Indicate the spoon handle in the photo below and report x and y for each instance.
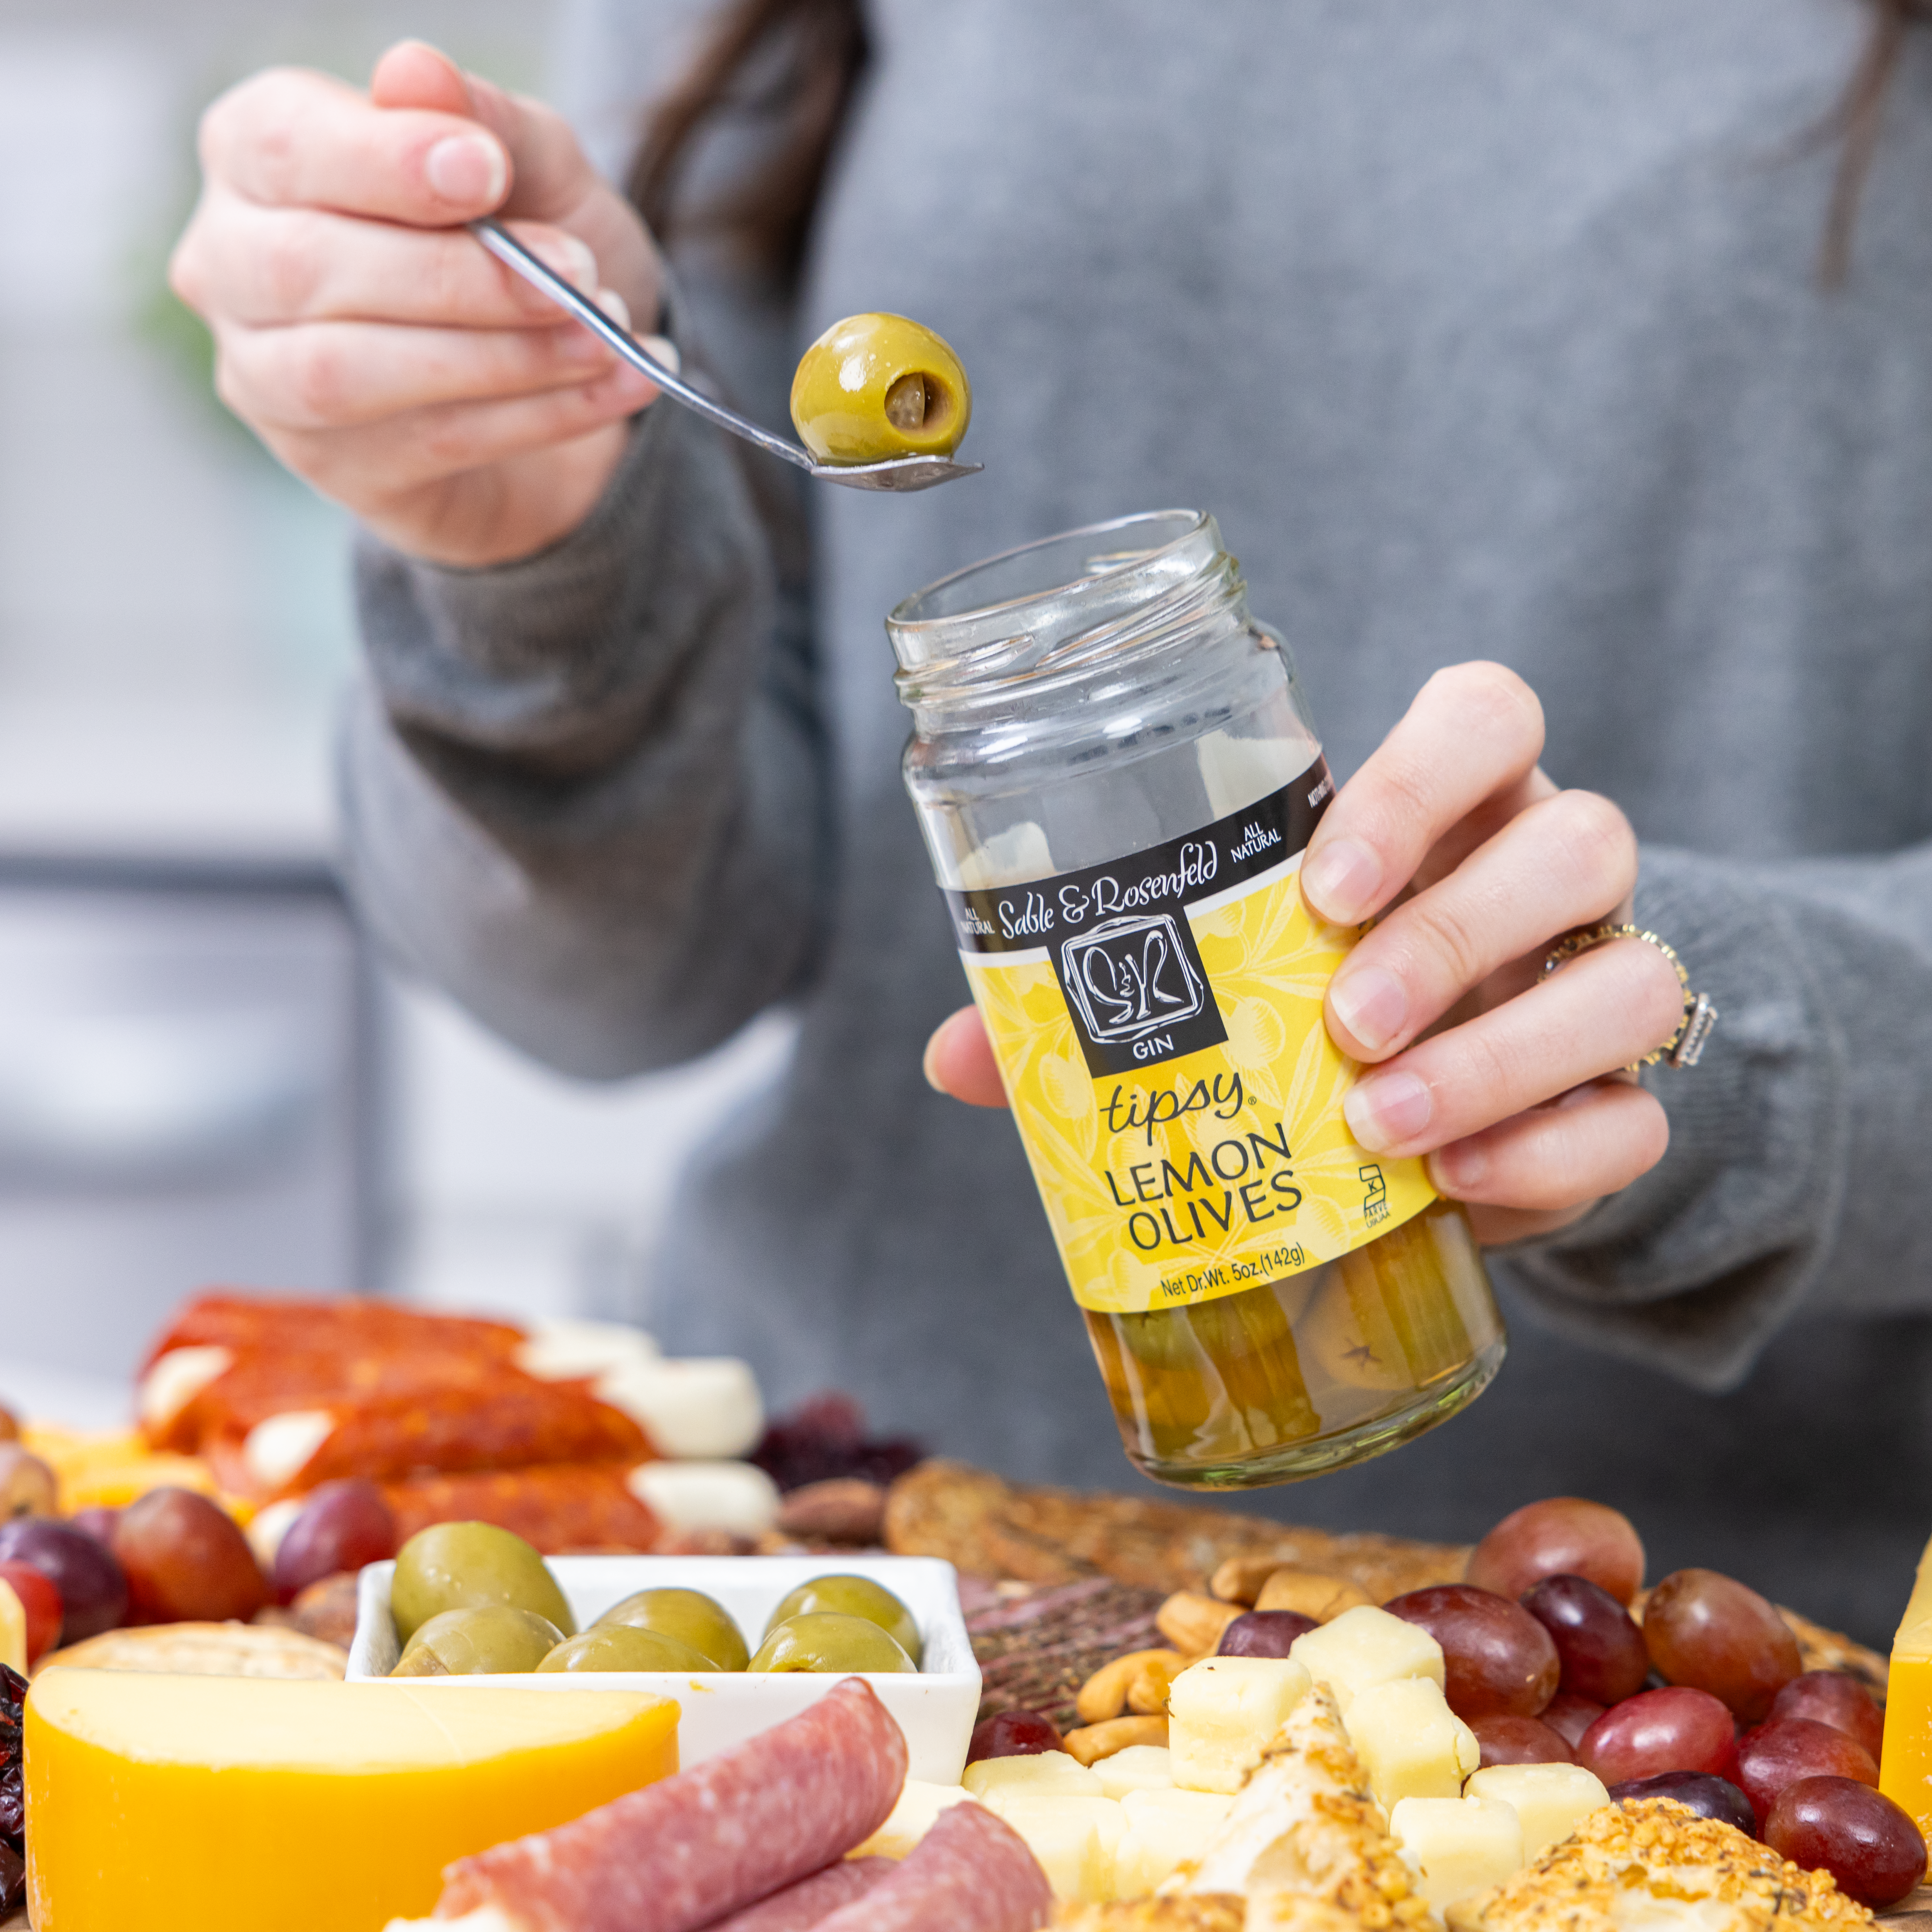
(515, 257)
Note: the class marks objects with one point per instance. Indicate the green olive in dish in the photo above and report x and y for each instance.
(620, 1647)
(463, 1566)
(494, 1640)
(825, 1640)
(876, 386)
(690, 1616)
(854, 1597)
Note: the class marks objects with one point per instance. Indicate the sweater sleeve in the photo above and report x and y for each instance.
(1795, 1170)
(586, 792)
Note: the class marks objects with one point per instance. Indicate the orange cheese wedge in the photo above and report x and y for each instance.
(1905, 1769)
(214, 1805)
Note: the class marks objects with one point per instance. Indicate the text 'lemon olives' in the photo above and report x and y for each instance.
(875, 386)
(825, 1640)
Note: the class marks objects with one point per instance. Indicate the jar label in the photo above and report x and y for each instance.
(1158, 1022)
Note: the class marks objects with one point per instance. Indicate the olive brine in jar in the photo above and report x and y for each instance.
(1117, 776)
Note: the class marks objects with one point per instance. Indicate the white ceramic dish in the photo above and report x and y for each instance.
(935, 1709)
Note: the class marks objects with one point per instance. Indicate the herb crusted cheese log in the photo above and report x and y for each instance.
(1305, 1842)
(1656, 1864)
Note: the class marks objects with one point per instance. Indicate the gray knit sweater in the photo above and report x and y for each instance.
(1490, 329)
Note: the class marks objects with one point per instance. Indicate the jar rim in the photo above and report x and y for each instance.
(916, 622)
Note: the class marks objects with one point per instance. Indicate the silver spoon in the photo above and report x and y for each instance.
(896, 473)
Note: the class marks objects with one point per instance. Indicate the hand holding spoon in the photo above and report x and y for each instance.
(895, 472)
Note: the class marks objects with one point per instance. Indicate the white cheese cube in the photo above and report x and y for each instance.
(1551, 1800)
(1074, 1839)
(1138, 1767)
(1038, 1770)
(1457, 1846)
(918, 1809)
(736, 1497)
(1222, 1711)
(1364, 1646)
(564, 1349)
(1165, 1830)
(700, 1408)
(1411, 1743)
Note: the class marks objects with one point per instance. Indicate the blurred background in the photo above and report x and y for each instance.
(204, 1075)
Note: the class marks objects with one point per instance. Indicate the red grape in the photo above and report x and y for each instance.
(1831, 1697)
(40, 1599)
(93, 1590)
(97, 1521)
(187, 1561)
(1709, 1797)
(1673, 1729)
(1600, 1649)
(1013, 1734)
(1570, 1716)
(1264, 1633)
(1520, 1741)
(342, 1525)
(1715, 1634)
(1563, 1536)
(1783, 1751)
(1841, 1826)
(1499, 1659)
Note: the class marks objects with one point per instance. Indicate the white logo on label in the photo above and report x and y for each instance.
(1131, 977)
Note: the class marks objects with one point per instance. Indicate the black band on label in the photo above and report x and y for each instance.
(1121, 945)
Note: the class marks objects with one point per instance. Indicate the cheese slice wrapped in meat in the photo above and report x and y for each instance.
(345, 1325)
(554, 1507)
(1305, 1843)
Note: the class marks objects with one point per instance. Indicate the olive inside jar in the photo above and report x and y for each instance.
(1116, 775)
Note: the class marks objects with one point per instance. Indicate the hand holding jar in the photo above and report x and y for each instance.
(1473, 862)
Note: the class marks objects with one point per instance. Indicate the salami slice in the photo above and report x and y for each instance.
(556, 1507)
(800, 1907)
(677, 1855)
(971, 1873)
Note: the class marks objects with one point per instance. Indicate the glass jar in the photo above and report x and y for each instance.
(1116, 774)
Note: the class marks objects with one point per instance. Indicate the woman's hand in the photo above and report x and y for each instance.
(372, 344)
(1474, 862)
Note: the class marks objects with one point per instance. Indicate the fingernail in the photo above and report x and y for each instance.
(1458, 1167)
(928, 1063)
(1341, 880)
(615, 306)
(565, 256)
(1371, 1003)
(467, 168)
(1387, 1109)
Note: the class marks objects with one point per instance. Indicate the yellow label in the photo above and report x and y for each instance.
(1213, 1171)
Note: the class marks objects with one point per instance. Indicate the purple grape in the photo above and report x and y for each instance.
(93, 1589)
(1264, 1632)
(1708, 1796)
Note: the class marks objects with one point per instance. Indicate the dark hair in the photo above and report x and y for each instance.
(787, 68)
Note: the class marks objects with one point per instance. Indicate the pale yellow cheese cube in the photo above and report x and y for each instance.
(1411, 1743)
(1457, 1846)
(1076, 1839)
(918, 1809)
(1138, 1767)
(1037, 1771)
(1551, 1800)
(1365, 1646)
(1222, 1711)
(1165, 1830)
